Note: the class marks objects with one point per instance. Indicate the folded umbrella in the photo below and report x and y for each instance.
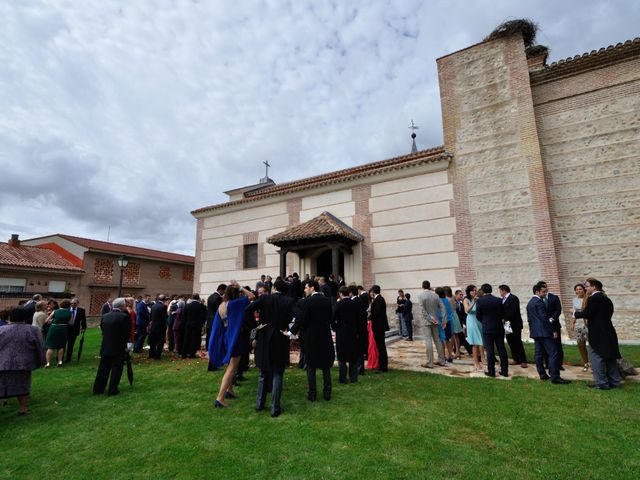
(129, 369)
(81, 345)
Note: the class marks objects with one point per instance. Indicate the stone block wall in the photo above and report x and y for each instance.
(500, 197)
(589, 130)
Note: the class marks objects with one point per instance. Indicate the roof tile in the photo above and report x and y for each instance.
(34, 257)
(324, 225)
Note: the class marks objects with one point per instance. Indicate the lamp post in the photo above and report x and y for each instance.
(123, 261)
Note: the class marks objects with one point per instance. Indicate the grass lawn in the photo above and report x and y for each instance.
(398, 425)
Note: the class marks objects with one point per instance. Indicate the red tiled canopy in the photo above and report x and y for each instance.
(323, 226)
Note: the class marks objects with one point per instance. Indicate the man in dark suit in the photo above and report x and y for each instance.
(346, 317)
(106, 307)
(554, 310)
(295, 287)
(272, 343)
(462, 315)
(77, 324)
(142, 323)
(379, 325)
(490, 313)
(193, 316)
(313, 315)
(116, 329)
(158, 327)
(325, 289)
(213, 302)
(30, 307)
(541, 330)
(511, 306)
(603, 340)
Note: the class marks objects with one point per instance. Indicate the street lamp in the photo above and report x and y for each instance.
(123, 261)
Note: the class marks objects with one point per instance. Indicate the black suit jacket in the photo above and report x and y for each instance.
(213, 302)
(602, 335)
(378, 316)
(272, 347)
(116, 330)
(512, 312)
(554, 310)
(490, 313)
(345, 322)
(194, 314)
(158, 316)
(313, 316)
(81, 321)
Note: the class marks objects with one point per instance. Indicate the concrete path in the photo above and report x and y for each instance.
(404, 355)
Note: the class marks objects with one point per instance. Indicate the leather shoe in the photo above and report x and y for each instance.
(561, 367)
(561, 381)
(276, 412)
(311, 397)
(218, 404)
(487, 374)
(327, 396)
(230, 395)
(524, 365)
(545, 377)
(259, 408)
(597, 387)
(505, 375)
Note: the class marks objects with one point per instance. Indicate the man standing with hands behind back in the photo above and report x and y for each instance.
(116, 329)
(379, 325)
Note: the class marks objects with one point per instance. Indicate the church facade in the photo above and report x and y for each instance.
(538, 179)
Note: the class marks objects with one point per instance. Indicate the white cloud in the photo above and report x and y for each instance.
(132, 114)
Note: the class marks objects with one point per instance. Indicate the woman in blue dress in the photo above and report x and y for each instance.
(225, 345)
(474, 327)
(445, 325)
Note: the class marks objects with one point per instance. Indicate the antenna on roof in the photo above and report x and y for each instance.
(413, 127)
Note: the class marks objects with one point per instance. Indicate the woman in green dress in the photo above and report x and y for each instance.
(58, 331)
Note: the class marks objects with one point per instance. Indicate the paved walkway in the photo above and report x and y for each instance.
(404, 355)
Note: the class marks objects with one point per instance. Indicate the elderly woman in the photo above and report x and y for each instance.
(58, 322)
(21, 351)
(40, 315)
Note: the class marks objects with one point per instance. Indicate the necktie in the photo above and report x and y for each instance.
(545, 300)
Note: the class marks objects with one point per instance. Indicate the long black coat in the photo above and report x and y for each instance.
(313, 316)
(272, 347)
(512, 312)
(379, 320)
(602, 335)
(193, 315)
(116, 331)
(346, 318)
(554, 310)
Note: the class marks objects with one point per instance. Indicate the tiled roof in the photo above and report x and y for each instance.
(118, 248)
(33, 257)
(340, 176)
(322, 226)
(594, 59)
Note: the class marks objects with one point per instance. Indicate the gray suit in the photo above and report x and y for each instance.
(430, 304)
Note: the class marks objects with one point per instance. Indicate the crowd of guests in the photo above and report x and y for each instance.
(307, 314)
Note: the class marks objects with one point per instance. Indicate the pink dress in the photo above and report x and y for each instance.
(372, 353)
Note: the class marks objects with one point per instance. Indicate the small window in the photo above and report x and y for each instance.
(57, 286)
(251, 256)
(13, 285)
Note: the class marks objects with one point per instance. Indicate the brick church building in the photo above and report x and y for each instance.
(538, 179)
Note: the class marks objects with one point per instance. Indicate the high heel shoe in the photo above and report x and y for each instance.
(230, 395)
(218, 404)
(47, 365)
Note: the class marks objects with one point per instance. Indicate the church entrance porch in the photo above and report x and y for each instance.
(324, 245)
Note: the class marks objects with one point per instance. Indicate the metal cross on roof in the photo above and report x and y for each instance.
(267, 165)
(413, 126)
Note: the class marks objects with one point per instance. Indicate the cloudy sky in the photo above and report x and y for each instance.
(125, 116)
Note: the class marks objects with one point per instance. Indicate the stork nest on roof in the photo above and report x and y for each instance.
(526, 27)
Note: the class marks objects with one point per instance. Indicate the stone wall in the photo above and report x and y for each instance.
(500, 196)
(589, 126)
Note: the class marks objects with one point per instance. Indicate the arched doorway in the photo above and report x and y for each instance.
(323, 264)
